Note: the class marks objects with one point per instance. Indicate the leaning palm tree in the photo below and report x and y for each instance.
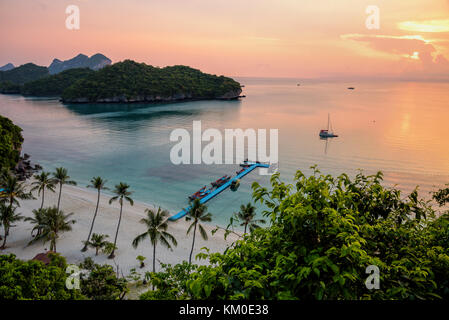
(247, 216)
(37, 220)
(156, 224)
(43, 181)
(8, 216)
(97, 242)
(13, 190)
(197, 213)
(61, 177)
(121, 192)
(54, 222)
(99, 184)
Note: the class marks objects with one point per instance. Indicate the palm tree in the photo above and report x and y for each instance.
(156, 224)
(13, 190)
(246, 215)
(37, 220)
(121, 192)
(54, 222)
(8, 216)
(197, 213)
(61, 177)
(43, 181)
(99, 184)
(97, 241)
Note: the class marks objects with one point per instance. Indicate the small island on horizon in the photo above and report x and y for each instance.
(122, 82)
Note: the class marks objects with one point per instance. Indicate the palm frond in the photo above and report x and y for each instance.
(202, 232)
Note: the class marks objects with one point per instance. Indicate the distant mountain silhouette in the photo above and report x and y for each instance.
(96, 62)
(7, 67)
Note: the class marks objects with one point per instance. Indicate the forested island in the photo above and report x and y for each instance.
(129, 81)
(122, 82)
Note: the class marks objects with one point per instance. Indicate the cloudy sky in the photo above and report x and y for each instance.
(266, 38)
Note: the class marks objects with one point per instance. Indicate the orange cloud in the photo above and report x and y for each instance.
(425, 26)
(409, 50)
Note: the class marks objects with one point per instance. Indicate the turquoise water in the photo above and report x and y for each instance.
(399, 128)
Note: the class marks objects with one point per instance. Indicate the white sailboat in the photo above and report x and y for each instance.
(328, 133)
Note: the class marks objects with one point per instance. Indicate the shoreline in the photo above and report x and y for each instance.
(82, 201)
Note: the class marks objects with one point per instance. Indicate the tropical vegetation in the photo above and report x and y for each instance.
(197, 213)
(121, 193)
(156, 225)
(42, 182)
(10, 143)
(61, 177)
(324, 234)
(32, 280)
(99, 184)
(54, 85)
(53, 222)
(132, 81)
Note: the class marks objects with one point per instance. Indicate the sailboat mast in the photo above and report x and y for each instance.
(328, 121)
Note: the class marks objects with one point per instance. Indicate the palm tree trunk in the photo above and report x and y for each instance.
(11, 200)
(43, 195)
(112, 255)
(245, 228)
(93, 221)
(6, 235)
(154, 257)
(53, 245)
(60, 191)
(193, 243)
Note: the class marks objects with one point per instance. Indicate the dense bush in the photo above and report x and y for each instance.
(10, 143)
(33, 280)
(171, 283)
(324, 233)
(101, 282)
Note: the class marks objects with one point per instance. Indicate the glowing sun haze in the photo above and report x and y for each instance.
(267, 38)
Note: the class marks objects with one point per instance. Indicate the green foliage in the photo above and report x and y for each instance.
(247, 217)
(324, 233)
(198, 213)
(169, 284)
(109, 247)
(32, 280)
(141, 259)
(10, 143)
(442, 196)
(8, 216)
(130, 80)
(101, 282)
(51, 223)
(54, 85)
(24, 73)
(98, 242)
(156, 224)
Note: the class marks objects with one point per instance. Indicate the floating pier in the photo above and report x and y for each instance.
(252, 166)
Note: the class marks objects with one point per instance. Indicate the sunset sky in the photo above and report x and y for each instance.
(265, 38)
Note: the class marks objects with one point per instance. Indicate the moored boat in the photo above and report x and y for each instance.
(220, 181)
(327, 133)
(196, 194)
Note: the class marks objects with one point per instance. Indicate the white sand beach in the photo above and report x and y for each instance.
(82, 201)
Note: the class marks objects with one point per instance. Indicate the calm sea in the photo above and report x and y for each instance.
(400, 128)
